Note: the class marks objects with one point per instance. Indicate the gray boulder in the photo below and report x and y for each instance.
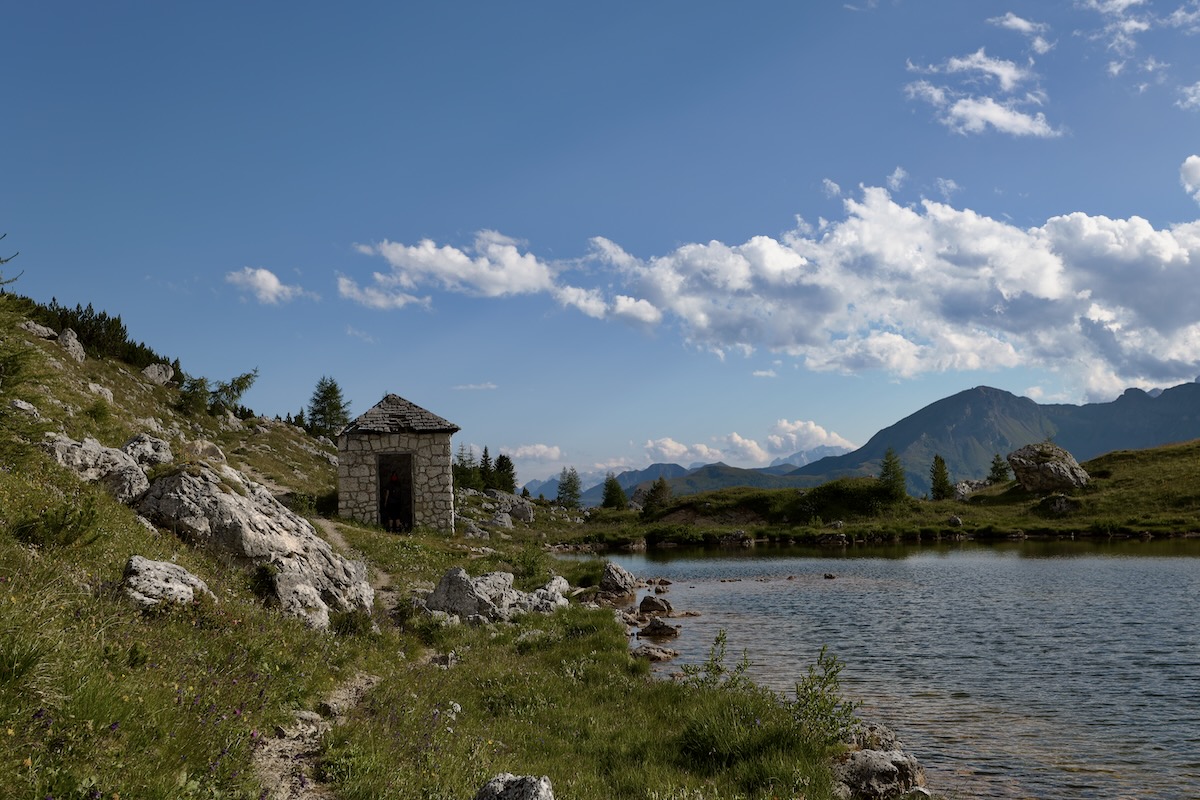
(148, 451)
(617, 580)
(654, 653)
(114, 469)
(878, 775)
(507, 786)
(26, 408)
(40, 331)
(220, 511)
(515, 506)
(159, 374)
(491, 597)
(149, 583)
(657, 629)
(71, 344)
(1046, 467)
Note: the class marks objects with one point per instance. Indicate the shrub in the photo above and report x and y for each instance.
(820, 711)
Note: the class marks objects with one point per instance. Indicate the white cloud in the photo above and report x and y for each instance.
(909, 290)
(1008, 74)
(667, 450)
(1190, 97)
(266, 286)
(897, 178)
(357, 334)
(487, 386)
(1033, 31)
(977, 114)
(1189, 176)
(375, 297)
(947, 187)
(831, 189)
(537, 452)
(493, 266)
(788, 436)
(739, 449)
(590, 301)
(764, 373)
(636, 310)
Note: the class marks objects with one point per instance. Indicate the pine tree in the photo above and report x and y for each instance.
(568, 488)
(466, 470)
(939, 479)
(487, 473)
(999, 471)
(657, 498)
(614, 493)
(505, 474)
(328, 411)
(891, 477)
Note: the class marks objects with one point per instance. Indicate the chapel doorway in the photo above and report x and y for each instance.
(396, 491)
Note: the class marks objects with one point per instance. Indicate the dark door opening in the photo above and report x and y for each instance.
(396, 491)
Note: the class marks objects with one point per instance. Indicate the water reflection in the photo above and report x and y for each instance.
(1047, 669)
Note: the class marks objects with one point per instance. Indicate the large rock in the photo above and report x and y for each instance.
(159, 374)
(1046, 467)
(517, 507)
(148, 451)
(219, 510)
(617, 580)
(114, 469)
(149, 583)
(40, 331)
(491, 597)
(70, 343)
(507, 786)
(878, 775)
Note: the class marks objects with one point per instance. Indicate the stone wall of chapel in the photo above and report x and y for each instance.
(433, 477)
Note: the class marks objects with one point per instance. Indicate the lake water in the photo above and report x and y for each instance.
(1051, 670)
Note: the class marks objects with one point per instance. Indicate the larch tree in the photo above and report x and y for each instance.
(569, 488)
(891, 476)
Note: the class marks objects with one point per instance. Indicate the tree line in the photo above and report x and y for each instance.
(483, 473)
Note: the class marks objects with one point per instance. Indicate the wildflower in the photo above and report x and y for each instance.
(114, 726)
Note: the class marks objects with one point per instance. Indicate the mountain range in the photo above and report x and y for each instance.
(966, 429)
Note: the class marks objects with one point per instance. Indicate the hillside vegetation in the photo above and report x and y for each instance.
(101, 700)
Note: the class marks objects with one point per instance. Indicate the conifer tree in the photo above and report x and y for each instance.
(466, 470)
(568, 488)
(504, 475)
(891, 476)
(939, 480)
(486, 471)
(657, 498)
(328, 411)
(614, 493)
(999, 471)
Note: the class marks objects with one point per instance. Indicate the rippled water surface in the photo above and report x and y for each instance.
(1038, 670)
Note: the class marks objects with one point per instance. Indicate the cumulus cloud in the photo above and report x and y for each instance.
(377, 297)
(914, 289)
(1189, 176)
(790, 436)
(667, 450)
(897, 178)
(967, 114)
(266, 286)
(537, 452)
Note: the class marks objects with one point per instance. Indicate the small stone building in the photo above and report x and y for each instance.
(394, 467)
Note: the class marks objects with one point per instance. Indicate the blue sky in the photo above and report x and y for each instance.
(609, 235)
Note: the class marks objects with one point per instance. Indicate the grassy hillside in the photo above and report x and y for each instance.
(100, 700)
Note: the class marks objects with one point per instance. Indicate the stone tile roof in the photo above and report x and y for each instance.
(394, 414)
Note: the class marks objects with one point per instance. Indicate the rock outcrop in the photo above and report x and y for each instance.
(617, 580)
(114, 469)
(69, 342)
(1046, 467)
(507, 786)
(491, 597)
(516, 507)
(148, 451)
(159, 374)
(149, 583)
(215, 508)
(877, 767)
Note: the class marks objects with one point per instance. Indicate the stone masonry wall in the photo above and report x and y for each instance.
(433, 479)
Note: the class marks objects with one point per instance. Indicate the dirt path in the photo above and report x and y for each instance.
(284, 763)
(380, 581)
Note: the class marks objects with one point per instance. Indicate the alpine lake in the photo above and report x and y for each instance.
(1055, 670)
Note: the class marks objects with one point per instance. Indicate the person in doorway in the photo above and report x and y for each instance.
(392, 502)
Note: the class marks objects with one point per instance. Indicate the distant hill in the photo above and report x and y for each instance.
(629, 480)
(967, 429)
(803, 457)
